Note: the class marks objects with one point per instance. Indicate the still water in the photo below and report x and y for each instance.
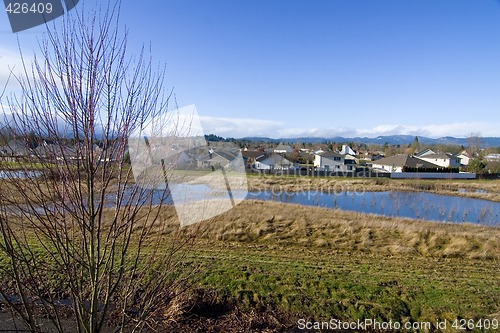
(416, 205)
(4, 174)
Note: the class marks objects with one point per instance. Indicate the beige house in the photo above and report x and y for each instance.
(396, 163)
(443, 160)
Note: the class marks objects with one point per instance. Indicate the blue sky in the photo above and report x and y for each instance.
(288, 68)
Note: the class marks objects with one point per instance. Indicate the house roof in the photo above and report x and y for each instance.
(16, 147)
(225, 155)
(438, 156)
(281, 146)
(273, 159)
(346, 150)
(47, 149)
(424, 152)
(252, 153)
(401, 160)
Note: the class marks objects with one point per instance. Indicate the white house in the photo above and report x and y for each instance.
(492, 157)
(443, 160)
(331, 161)
(464, 158)
(346, 150)
(273, 162)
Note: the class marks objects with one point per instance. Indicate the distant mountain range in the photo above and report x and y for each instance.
(390, 139)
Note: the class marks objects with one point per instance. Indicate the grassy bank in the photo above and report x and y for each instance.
(269, 264)
(488, 189)
(322, 264)
(350, 286)
(309, 262)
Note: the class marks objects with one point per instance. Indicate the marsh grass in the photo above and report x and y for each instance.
(324, 264)
(320, 263)
(295, 225)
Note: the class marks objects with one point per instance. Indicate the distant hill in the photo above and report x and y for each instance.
(390, 139)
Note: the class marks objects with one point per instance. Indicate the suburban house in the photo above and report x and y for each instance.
(424, 152)
(273, 162)
(346, 150)
(332, 161)
(178, 159)
(396, 163)
(15, 148)
(283, 149)
(251, 156)
(373, 156)
(113, 154)
(47, 151)
(464, 158)
(443, 160)
(217, 158)
(492, 157)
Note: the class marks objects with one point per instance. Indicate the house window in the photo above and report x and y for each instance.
(349, 167)
(327, 167)
(336, 158)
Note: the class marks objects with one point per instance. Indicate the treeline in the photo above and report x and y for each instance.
(238, 142)
(32, 140)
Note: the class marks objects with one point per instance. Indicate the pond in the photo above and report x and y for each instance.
(416, 205)
(4, 174)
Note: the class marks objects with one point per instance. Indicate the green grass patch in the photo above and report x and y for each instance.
(351, 286)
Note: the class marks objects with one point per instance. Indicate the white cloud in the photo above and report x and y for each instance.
(10, 63)
(234, 127)
(434, 131)
(5, 109)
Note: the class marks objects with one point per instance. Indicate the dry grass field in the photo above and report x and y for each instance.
(255, 222)
(269, 264)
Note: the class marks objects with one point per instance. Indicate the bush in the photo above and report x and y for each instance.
(437, 170)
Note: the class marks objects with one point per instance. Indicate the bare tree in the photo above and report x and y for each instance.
(78, 235)
(474, 143)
